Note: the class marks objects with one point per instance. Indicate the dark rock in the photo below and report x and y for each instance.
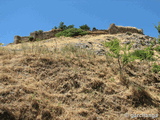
(82, 45)
(127, 42)
(108, 39)
(100, 52)
(147, 37)
(90, 43)
(136, 46)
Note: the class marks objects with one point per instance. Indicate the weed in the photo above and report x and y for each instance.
(155, 68)
(146, 54)
(157, 48)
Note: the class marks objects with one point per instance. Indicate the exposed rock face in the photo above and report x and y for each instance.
(113, 29)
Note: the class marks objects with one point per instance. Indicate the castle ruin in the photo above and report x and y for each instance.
(40, 35)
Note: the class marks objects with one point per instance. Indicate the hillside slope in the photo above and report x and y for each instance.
(72, 79)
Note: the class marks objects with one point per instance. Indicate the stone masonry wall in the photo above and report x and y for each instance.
(44, 35)
(19, 39)
(36, 36)
(113, 29)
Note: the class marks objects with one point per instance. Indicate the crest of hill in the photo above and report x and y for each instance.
(113, 29)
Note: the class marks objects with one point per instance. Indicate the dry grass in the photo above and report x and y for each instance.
(41, 82)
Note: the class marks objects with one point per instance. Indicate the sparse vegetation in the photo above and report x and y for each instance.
(156, 68)
(122, 54)
(40, 31)
(157, 48)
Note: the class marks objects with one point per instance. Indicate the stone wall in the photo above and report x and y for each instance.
(44, 35)
(40, 35)
(37, 35)
(113, 29)
(19, 39)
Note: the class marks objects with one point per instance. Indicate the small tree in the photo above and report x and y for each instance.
(158, 27)
(85, 27)
(62, 26)
(94, 29)
(122, 54)
(55, 27)
(70, 26)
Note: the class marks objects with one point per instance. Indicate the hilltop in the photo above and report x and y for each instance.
(74, 78)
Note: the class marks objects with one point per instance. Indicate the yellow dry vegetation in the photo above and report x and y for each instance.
(47, 80)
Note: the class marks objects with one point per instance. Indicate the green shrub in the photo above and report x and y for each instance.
(31, 38)
(84, 27)
(158, 27)
(71, 32)
(156, 68)
(146, 54)
(157, 48)
(70, 26)
(55, 27)
(40, 31)
(94, 29)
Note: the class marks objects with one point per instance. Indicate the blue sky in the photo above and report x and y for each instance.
(20, 17)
